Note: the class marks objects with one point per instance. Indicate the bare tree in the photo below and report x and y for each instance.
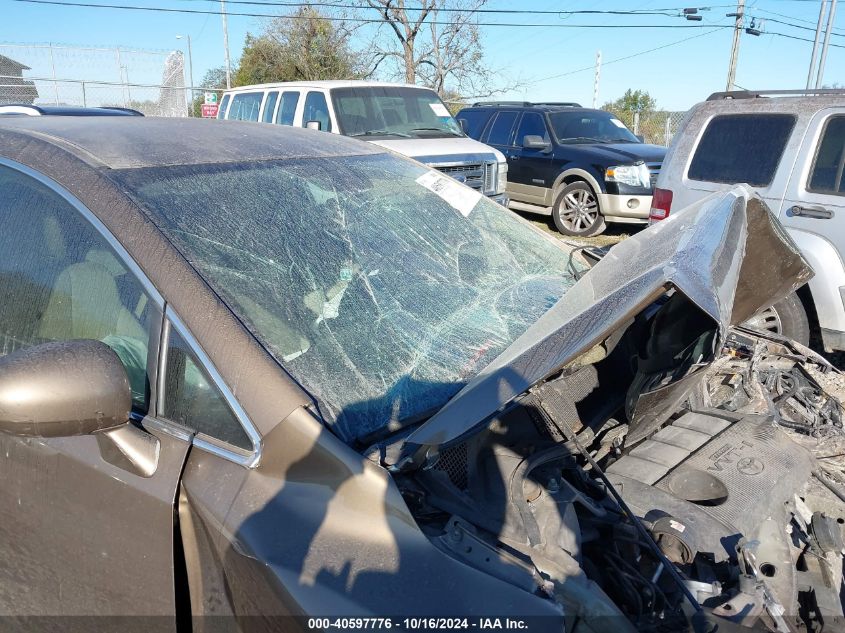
(441, 49)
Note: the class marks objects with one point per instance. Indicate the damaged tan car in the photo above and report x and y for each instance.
(256, 379)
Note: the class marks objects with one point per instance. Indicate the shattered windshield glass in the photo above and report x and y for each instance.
(380, 285)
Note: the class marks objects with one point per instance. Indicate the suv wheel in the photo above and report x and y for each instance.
(787, 317)
(576, 211)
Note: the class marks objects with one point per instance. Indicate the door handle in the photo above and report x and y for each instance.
(818, 213)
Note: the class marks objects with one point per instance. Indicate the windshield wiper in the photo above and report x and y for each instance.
(381, 133)
(584, 139)
(436, 129)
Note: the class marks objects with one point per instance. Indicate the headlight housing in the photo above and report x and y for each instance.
(501, 178)
(636, 175)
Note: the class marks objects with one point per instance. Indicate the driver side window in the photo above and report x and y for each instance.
(61, 280)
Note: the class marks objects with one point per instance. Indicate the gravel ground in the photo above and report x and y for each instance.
(613, 234)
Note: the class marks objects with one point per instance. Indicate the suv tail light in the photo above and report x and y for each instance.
(661, 204)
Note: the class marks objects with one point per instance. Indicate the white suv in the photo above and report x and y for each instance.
(789, 146)
(406, 119)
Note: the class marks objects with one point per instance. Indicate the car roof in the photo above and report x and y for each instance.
(334, 83)
(785, 104)
(534, 107)
(133, 142)
(41, 110)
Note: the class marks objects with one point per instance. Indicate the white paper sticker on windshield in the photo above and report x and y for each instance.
(618, 123)
(461, 198)
(439, 109)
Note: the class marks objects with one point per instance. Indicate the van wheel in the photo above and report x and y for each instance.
(787, 317)
(576, 211)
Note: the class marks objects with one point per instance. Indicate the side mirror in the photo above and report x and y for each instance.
(314, 125)
(531, 141)
(63, 389)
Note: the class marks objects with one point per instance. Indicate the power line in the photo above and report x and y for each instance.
(794, 37)
(669, 11)
(89, 5)
(632, 55)
(796, 26)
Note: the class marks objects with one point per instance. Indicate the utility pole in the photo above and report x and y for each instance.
(740, 17)
(596, 81)
(830, 16)
(226, 44)
(812, 69)
(190, 74)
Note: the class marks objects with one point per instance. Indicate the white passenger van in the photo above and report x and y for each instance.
(407, 119)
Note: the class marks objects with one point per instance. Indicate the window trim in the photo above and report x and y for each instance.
(819, 141)
(216, 446)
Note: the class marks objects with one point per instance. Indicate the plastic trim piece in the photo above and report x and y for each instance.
(250, 459)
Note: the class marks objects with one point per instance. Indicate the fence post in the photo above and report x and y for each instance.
(53, 66)
(636, 122)
(668, 131)
(84, 98)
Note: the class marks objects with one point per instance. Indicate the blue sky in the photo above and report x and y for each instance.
(677, 76)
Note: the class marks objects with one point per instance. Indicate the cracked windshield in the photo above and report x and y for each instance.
(380, 285)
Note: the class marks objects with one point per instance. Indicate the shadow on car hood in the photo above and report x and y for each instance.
(726, 253)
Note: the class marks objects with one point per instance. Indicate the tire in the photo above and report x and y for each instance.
(787, 317)
(576, 211)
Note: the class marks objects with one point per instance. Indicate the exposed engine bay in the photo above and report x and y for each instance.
(724, 512)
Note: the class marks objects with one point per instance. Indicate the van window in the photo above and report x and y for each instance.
(316, 109)
(245, 106)
(741, 148)
(474, 120)
(287, 109)
(221, 111)
(829, 164)
(500, 132)
(269, 107)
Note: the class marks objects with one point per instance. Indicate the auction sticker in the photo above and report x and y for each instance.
(458, 196)
(439, 109)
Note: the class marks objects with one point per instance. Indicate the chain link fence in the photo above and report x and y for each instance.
(152, 82)
(655, 126)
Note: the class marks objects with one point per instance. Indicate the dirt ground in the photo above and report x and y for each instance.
(613, 234)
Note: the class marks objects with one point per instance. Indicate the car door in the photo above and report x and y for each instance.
(813, 211)
(814, 199)
(86, 522)
(530, 169)
(499, 134)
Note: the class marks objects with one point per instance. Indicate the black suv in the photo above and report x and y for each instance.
(581, 166)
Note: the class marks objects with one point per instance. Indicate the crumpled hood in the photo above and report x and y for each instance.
(445, 150)
(727, 254)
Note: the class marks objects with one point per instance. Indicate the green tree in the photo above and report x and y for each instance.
(215, 80)
(633, 101)
(303, 46)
